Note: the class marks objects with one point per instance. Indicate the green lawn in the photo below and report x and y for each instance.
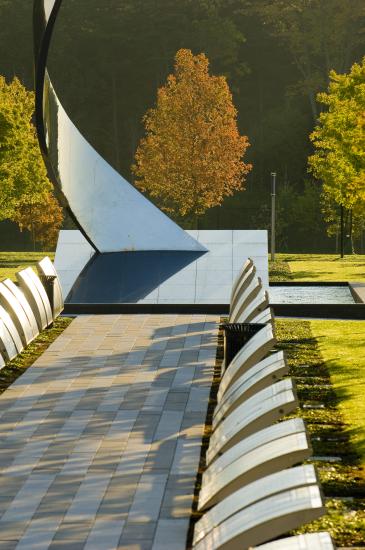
(318, 267)
(11, 262)
(342, 346)
(326, 370)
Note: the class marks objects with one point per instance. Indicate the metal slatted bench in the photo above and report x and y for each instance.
(18, 315)
(265, 316)
(281, 429)
(259, 411)
(259, 376)
(265, 520)
(261, 461)
(37, 297)
(312, 541)
(19, 295)
(253, 492)
(245, 298)
(46, 270)
(11, 341)
(248, 492)
(253, 351)
(259, 304)
(247, 272)
(26, 309)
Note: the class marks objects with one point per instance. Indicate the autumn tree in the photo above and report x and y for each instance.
(42, 218)
(25, 187)
(191, 156)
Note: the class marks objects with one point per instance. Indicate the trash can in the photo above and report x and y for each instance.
(235, 337)
(48, 283)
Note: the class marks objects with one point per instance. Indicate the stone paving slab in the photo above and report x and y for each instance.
(100, 439)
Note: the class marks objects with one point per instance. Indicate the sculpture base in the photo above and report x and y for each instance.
(127, 277)
(159, 277)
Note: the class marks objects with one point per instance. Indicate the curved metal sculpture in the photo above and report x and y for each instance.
(110, 212)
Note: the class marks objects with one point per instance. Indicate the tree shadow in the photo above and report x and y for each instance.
(153, 436)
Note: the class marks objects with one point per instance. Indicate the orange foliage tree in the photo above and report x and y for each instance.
(43, 217)
(191, 156)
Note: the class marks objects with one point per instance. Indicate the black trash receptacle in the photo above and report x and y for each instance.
(48, 283)
(235, 337)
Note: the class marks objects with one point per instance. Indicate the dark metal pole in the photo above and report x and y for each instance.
(273, 197)
(342, 233)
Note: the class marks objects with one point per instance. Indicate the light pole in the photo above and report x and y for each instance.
(273, 196)
(342, 251)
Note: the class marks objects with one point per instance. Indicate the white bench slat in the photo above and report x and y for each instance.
(242, 280)
(19, 295)
(256, 413)
(17, 314)
(36, 296)
(251, 353)
(265, 316)
(310, 541)
(11, 328)
(265, 520)
(264, 460)
(281, 429)
(253, 492)
(246, 297)
(259, 304)
(46, 267)
(8, 349)
(266, 372)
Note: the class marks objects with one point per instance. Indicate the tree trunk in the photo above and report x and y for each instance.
(342, 232)
(351, 234)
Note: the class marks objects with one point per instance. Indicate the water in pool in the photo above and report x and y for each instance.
(310, 295)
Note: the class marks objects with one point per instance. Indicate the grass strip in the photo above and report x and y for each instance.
(343, 483)
(15, 368)
(342, 346)
(12, 262)
(279, 271)
(319, 267)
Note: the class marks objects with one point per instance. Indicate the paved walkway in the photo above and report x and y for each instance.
(100, 438)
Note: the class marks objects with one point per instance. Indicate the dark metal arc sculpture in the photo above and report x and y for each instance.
(44, 18)
(110, 212)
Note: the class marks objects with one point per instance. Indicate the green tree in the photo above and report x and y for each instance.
(339, 138)
(191, 157)
(23, 175)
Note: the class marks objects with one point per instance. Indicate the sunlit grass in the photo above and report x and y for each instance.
(342, 346)
(319, 267)
(11, 262)
(326, 370)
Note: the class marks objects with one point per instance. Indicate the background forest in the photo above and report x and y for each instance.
(109, 58)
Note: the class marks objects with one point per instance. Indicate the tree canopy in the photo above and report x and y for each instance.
(339, 138)
(23, 174)
(108, 58)
(321, 35)
(191, 157)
